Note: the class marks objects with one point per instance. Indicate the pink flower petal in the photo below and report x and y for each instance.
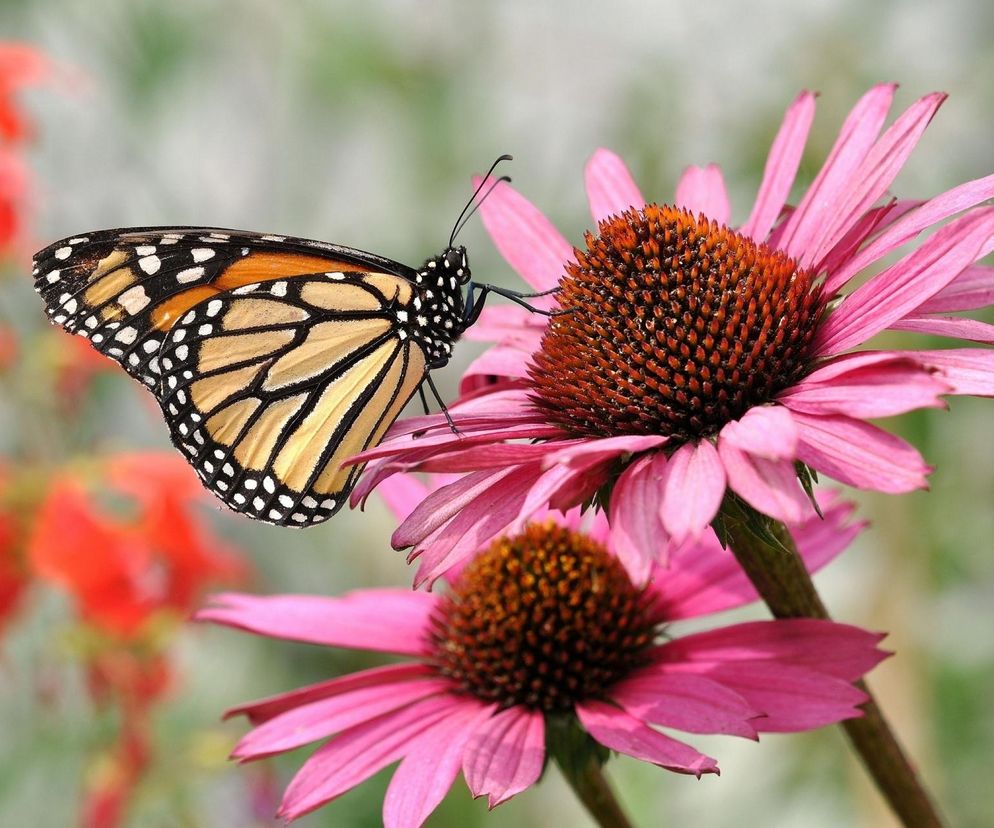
(382, 620)
(874, 175)
(839, 650)
(358, 753)
(693, 486)
(881, 390)
(610, 187)
(859, 454)
(899, 289)
(966, 370)
(872, 221)
(638, 536)
(972, 289)
(505, 755)
(793, 699)
(402, 493)
(804, 226)
(952, 326)
(766, 431)
(428, 770)
(703, 578)
(781, 167)
(525, 237)
(770, 486)
(702, 190)
(320, 719)
(691, 703)
(929, 214)
(507, 323)
(262, 710)
(582, 452)
(615, 729)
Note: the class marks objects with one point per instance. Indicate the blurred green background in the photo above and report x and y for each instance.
(361, 123)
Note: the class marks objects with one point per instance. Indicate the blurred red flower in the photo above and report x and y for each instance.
(21, 65)
(12, 575)
(127, 572)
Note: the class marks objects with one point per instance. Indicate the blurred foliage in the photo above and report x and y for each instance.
(361, 122)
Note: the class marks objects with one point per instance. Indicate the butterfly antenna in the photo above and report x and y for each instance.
(472, 203)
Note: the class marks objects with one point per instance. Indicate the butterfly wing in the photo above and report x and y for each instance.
(268, 387)
(124, 289)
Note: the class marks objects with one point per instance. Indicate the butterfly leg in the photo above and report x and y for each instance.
(475, 302)
(441, 403)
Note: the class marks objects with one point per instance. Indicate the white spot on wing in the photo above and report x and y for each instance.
(134, 299)
(150, 264)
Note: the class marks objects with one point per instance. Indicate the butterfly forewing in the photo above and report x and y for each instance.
(125, 289)
(268, 387)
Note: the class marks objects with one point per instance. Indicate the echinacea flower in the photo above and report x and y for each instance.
(692, 359)
(543, 626)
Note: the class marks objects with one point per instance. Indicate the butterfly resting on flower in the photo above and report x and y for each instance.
(274, 359)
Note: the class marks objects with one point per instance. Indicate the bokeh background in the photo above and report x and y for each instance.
(361, 123)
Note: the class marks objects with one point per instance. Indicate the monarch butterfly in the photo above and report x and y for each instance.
(273, 358)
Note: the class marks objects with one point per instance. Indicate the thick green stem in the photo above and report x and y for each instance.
(769, 557)
(581, 760)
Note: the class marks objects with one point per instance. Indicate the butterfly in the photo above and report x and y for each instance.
(273, 358)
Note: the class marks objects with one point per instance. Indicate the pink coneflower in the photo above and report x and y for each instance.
(541, 628)
(695, 359)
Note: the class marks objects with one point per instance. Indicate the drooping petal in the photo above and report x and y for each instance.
(320, 719)
(638, 536)
(382, 620)
(402, 493)
(582, 452)
(702, 190)
(874, 175)
(525, 237)
(691, 703)
(615, 729)
(792, 699)
(781, 167)
(505, 755)
(262, 710)
(703, 578)
(766, 431)
(899, 289)
(859, 454)
(881, 390)
(693, 486)
(972, 289)
(358, 753)
(860, 130)
(840, 650)
(968, 371)
(770, 486)
(610, 187)
(932, 212)
(430, 767)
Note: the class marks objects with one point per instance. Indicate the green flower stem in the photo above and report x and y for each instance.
(581, 761)
(769, 556)
(592, 789)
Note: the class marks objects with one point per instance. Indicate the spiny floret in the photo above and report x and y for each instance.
(545, 619)
(676, 326)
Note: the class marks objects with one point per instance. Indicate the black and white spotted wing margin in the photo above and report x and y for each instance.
(267, 388)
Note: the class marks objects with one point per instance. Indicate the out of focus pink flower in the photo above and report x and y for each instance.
(694, 359)
(13, 579)
(545, 623)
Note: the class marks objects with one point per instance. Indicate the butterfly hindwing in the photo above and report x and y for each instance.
(125, 289)
(268, 387)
